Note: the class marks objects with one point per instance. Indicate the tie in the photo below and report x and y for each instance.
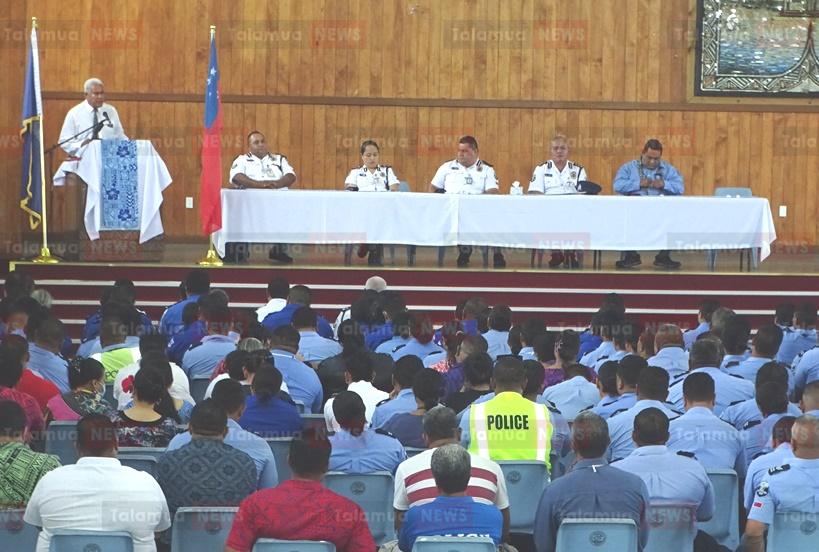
(96, 133)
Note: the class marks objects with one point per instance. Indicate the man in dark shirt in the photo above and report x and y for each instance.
(592, 489)
(477, 373)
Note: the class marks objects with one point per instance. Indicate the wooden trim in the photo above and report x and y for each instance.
(733, 105)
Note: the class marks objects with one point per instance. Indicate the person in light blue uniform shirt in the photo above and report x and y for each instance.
(230, 395)
(612, 400)
(44, 353)
(606, 323)
(303, 384)
(626, 337)
(705, 356)
(312, 347)
(791, 487)
(781, 453)
(401, 328)
(421, 343)
(648, 176)
(741, 413)
(529, 331)
(402, 398)
(200, 360)
(298, 296)
(196, 283)
(669, 476)
(574, 395)
(713, 443)
(497, 337)
(764, 346)
(803, 335)
(805, 368)
(772, 399)
(736, 333)
(357, 449)
(671, 356)
(706, 309)
(652, 389)
(627, 374)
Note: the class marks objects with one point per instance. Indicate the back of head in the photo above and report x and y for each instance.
(11, 366)
(451, 467)
(350, 336)
(392, 303)
(427, 387)
(514, 340)
(781, 432)
(218, 319)
(810, 396)
(267, 382)
(613, 302)
(229, 394)
(653, 384)
(767, 340)
(366, 309)
(96, 436)
(772, 398)
(422, 329)
(607, 323)
(629, 369)
(299, 295)
(805, 437)
(304, 318)
(627, 333)
(278, 288)
(651, 427)
(590, 435)
(535, 373)
(473, 344)
(208, 419)
(13, 420)
(668, 335)
(735, 334)
(576, 369)
(214, 297)
(18, 283)
(250, 344)
(500, 319)
(235, 362)
(805, 315)
(349, 411)
(406, 368)
(190, 313)
(699, 387)
(43, 297)
(784, 314)
(50, 332)
(82, 371)
(607, 377)
(509, 375)
(197, 281)
(152, 343)
(530, 329)
(123, 293)
(359, 366)
(567, 345)
(149, 384)
(440, 423)
(707, 308)
(705, 353)
(478, 369)
(309, 454)
(718, 319)
(772, 371)
(375, 283)
(286, 337)
(544, 346)
(474, 307)
(402, 324)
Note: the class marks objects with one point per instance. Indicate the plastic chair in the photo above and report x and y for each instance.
(373, 492)
(16, 534)
(412, 451)
(453, 544)
(91, 541)
(280, 446)
(753, 252)
(60, 439)
(198, 388)
(793, 531)
(313, 421)
(276, 545)
(201, 529)
(154, 452)
(672, 527)
(142, 462)
(724, 526)
(525, 481)
(600, 535)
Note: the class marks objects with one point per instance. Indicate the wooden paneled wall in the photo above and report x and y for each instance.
(318, 77)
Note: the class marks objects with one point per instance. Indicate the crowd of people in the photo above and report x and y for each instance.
(622, 415)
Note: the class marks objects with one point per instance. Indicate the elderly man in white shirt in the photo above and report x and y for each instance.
(92, 111)
(98, 493)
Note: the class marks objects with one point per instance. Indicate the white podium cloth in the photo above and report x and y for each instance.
(606, 223)
(152, 179)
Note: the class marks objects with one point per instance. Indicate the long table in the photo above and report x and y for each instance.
(600, 223)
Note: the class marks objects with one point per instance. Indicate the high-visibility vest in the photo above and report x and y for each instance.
(116, 360)
(510, 427)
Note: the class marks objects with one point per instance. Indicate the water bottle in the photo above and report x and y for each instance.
(516, 189)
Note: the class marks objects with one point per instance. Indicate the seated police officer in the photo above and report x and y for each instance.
(260, 169)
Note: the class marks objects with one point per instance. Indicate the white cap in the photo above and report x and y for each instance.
(376, 283)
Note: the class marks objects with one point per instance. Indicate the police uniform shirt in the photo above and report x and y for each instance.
(303, 383)
(621, 426)
(795, 342)
(272, 166)
(617, 355)
(729, 389)
(548, 179)
(315, 348)
(791, 487)
(81, 117)
(498, 343)
(201, 359)
(571, 396)
(49, 366)
(671, 477)
(690, 336)
(759, 468)
(457, 179)
(715, 444)
(731, 361)
(527, 353)
(742, 413)
(609, 405)
(392, 345)
(386, 409)
(369, 452)
(627, 179)
(365, 180)
(757, 437)
(602, 352)
(748, 368)
(806, 369)
(673, 360)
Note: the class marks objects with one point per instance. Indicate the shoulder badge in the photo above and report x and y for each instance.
(381, 431)
(762, 489)
(732, 364)
(751, 424)
(616, 412)
(549, 164)
(736, 403)
(736, 376)
(779, 469)
(686, 453)
(552, 408)
(482, 162)
(385, 401)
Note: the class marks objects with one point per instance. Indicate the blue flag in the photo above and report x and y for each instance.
(31, 199)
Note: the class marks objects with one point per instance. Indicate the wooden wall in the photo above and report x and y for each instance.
(318, 77)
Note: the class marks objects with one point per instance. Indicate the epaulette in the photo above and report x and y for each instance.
(381, 431)
(677, 380)
(588, 408)
(194, 346)
(758, 454)
(549, 164)
(736, 376)
(732, 364)
(482, 162)
(385, 401)
(779, 469)
(686, 454)
(616, 412)
(752, 423)
(550, 406)
(736, 403)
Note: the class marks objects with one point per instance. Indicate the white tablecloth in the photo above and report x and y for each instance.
(152, 178)
(607, 223)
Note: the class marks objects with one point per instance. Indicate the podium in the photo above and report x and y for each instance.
(122, 182)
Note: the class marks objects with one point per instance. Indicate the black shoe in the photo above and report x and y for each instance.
(666, 262)
(556, 260)
(463, 260)
(498, 261)
(374, 259)
(573, 263)
(629, 262)
(281, 257)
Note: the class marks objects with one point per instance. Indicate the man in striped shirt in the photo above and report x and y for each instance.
(415, 484)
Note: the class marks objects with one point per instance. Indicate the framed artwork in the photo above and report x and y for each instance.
(760, 48)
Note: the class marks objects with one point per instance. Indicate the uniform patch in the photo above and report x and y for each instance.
(757, 505)
(762, 490)
(779, 469)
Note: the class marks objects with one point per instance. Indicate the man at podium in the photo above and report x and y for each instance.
(94, 114)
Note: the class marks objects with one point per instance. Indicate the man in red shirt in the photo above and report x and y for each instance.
(30, 383)
(302, 508)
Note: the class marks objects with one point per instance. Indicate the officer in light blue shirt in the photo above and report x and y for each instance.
(497, 337)
(200, 360)
(303, 384)
(572, 396)
(705, 356)
(806, 370)
(312, 347)
(231, 397)
(357, 449)
(652, 389)
(648, 176)
(196, 283)
(803, 335)
(529, 331)
(401, 327)
(791, 487)
(764, 347)
(606, 323)
(781, 453)
(44, 353)
(617, 383)
(713, 443)
(402, 398)
(671, 356)
(772, 398)
(742, 413)
(706, 309)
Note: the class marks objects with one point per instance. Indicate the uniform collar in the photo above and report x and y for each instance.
(650, 450)
(593, 463)
(648, 403)
(814, 413)
(700, 411)
(309, 333)
(405, 393)
(90, 108)
(472, 166)
(671, 351)
(218, 338)
(282, 353)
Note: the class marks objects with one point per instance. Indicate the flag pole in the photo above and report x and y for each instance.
(211, 259)
(45, 256)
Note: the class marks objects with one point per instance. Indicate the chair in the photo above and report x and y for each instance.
(201, 529)
(276, 545)
(130, 452)
(60, 438)
(373, 492)
(198, 388)
(142, 462)
(753, 252)
(453, 544)
(412, 451)
(280, 446)
(313, 421)
(16, 534)
(600, 535)
(671, 527)
(793, 531)
(108, 395)
(525, 481)
(91, 541)
(724, 526)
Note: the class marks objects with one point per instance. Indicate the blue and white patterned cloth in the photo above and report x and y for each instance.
(120, 190)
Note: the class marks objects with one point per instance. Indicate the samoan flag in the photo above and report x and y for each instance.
(210, 200)
(31, 198)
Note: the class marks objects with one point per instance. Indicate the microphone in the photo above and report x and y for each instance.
(108, 119)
